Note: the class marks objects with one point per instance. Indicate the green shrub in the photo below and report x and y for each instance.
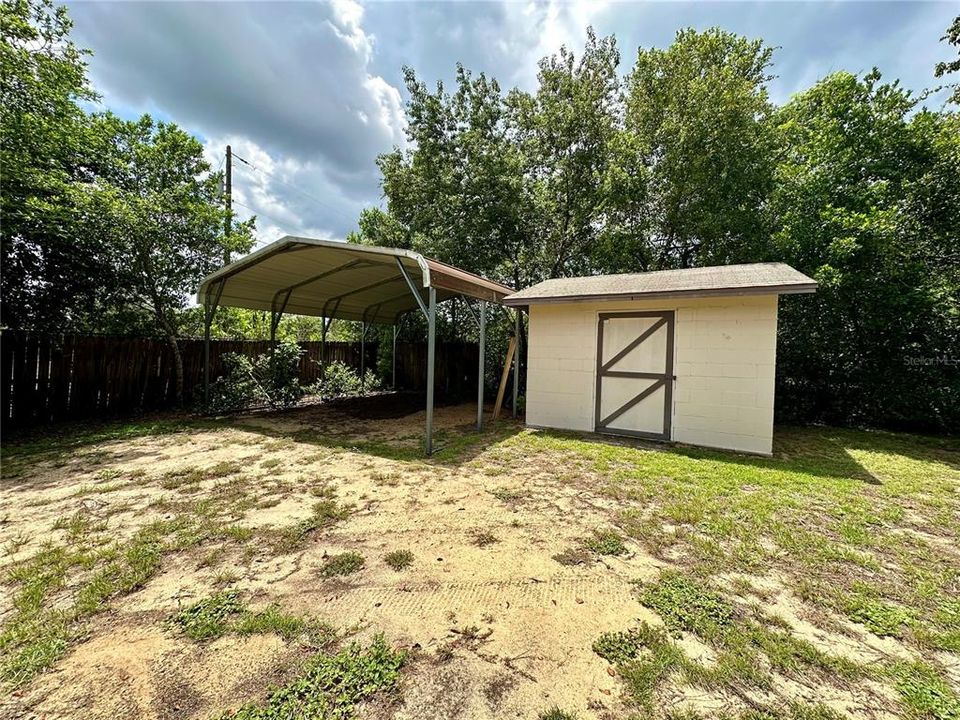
(371, 381)
(272, 377)
(338, 380)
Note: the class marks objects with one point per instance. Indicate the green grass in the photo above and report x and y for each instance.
(343, 564)
(211, 617)
(851, 524)
(843, 516)
(750, 647)
(925, 693)
(40, 629)
(331, 685)
(225, 613)
(190, 477)
(606, 542)
(555, 713)
(399, 559)
(326, 513)
(62, 444)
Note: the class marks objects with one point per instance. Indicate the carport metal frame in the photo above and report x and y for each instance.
(453, 281)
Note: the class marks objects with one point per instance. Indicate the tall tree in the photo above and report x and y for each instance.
(457, 193)
(867, 201)
(565, 130)
(158, 205)
(51, 275)
(949, 67)
(695, 118)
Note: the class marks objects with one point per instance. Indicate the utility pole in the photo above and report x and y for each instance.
(228, 203)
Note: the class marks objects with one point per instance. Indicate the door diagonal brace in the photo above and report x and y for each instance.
(629, 348)
(633, 402)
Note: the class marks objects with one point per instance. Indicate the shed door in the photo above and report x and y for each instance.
(635, 374)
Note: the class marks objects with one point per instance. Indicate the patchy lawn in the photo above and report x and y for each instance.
(313, 564)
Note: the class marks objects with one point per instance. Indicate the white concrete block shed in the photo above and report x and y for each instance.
(680, 355)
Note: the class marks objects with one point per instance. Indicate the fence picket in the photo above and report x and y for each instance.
(52, 378)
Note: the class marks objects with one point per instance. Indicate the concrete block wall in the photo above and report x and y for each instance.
(724, 359)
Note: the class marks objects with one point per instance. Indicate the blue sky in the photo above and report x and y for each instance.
(309, 93)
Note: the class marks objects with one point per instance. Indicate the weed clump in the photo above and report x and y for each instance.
(605, 542)
(924, 693)
(620, 647)
(573, 556)
(685, 605)
(332, 685)
(555, 713)
(482, 538)
(880, 618)
(399, 559)
(343, 564)
(209, 618)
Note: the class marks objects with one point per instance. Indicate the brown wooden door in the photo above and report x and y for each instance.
(634, 394)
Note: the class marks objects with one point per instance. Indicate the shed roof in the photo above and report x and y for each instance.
(330, 278)
(752, 279)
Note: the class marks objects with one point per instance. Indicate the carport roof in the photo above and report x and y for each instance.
(330, 278)
(753, 279)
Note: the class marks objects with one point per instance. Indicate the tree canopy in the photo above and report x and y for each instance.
(108, 225)
(680, 160)
(684, 161)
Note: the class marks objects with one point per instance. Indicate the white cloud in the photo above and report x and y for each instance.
(290, 85)
(310, 93)
(347, 18)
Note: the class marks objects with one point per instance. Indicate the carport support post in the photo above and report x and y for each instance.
(207, 321)
(323, 352)
(516, 359)
(482, 321)
(209, 311)
(431, 354)
(394, 356)
(363, 347)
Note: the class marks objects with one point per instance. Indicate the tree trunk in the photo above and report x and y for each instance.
(171, 334)
(177, 366)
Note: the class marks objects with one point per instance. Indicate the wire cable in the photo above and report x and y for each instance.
(280, 224)
(307, 195)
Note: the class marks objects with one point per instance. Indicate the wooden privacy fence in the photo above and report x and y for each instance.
(51, 378)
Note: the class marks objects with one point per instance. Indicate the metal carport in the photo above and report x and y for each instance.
(372, 285)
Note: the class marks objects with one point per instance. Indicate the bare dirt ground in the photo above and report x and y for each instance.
(495, 625)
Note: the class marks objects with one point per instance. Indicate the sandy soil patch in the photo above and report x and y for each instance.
(495, 625)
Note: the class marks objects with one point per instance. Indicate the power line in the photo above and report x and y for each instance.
(278, 223)
(307, 195)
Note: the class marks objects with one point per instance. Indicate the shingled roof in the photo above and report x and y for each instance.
(753, 279)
